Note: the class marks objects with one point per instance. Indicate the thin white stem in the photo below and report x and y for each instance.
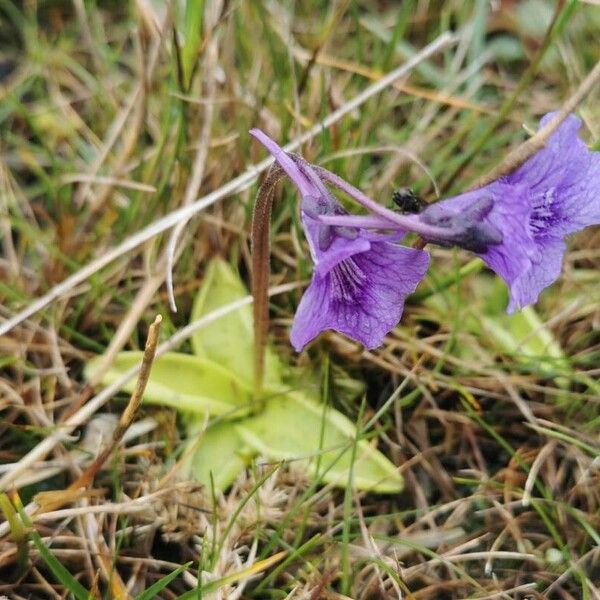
(527, 149)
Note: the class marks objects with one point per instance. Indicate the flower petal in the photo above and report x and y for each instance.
(555, 193)
(564, 181)
(362, 296)
(301, 181)
(338, 249)
(541, 273)
(510, 216)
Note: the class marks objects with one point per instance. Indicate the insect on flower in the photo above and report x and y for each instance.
(516, 224)
(407, 201)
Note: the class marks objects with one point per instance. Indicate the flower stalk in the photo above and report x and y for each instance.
(260, 238)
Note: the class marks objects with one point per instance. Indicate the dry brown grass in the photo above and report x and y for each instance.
(101, 137)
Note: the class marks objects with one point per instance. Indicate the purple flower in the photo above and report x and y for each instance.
(553, 194)
(360, 279)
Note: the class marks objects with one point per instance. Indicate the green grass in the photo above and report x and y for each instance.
(90, 93)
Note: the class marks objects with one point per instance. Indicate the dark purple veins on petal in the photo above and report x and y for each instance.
(543, 212)
(361, 296)
(347, 279)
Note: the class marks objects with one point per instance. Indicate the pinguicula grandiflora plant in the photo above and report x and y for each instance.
(516, 224)
(362, 276)
(226, 428)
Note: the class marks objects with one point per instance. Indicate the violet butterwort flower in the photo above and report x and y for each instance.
(361, 277)
(529, 212)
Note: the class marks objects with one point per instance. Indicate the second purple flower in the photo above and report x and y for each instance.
(553, 194)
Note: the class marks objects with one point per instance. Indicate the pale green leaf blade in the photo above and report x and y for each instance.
(216, 451)
(229, 340)
(292, 426)
(522, 335)
(185, 382)
(527, 335)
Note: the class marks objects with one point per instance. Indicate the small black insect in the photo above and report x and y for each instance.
(407, 201)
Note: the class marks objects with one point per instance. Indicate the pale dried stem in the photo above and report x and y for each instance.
(130, 410)
(372, 548)
(146, 293)
(57, 360)
(235, 185)
(398, 150)
(87, 34)
(126, 326)
(7, 198)
(543, 454)
(153, 282)
(48, 589)
(510, 527)
(94, 404)
(424, 135)
(135, 505)
(103, 558)
(135, 105)
(514, 395)
(193, 187)
(113, 135)
(525, 587)
(574, 566)
(130, 138)
(149, 15)
(485, 555)
(113, 181)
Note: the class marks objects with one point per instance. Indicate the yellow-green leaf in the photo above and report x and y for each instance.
(229, 340)
(525, 335)
(522, 335)
(185, 382)
(218, 451)
(292, 427)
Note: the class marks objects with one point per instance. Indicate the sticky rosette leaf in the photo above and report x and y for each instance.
(361, 278)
